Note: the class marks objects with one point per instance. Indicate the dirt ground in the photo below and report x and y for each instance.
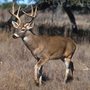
(17, 67)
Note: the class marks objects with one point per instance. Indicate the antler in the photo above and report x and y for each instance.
(32, 14)
(17, 15)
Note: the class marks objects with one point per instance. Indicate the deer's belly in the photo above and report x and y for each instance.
(56, 55)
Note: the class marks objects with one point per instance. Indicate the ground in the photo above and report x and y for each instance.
(17, 68)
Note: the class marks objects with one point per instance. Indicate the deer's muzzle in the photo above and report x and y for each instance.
(15, 36)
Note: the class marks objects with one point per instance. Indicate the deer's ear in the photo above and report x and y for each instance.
(29, 26)
(15, 24)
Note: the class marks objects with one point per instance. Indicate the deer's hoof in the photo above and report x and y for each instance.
(37, 83)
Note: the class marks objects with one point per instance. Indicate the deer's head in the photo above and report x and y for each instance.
(22, 28)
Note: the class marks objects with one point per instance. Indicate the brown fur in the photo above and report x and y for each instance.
(53, 46)
(46, 48)
(43, 47)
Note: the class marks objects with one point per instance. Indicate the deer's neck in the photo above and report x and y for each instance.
(28, 35)
(30, 40)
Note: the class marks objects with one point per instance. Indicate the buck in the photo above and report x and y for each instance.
(44, 47)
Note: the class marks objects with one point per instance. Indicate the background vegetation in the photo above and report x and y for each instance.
(16, 61)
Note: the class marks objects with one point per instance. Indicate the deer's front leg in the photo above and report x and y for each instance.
(38, 71)
(38, 75)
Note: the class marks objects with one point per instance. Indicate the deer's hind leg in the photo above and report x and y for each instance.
(69, 68)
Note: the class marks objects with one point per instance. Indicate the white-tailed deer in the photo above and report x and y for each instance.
(44, 47)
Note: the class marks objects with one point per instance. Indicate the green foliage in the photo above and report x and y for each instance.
(6, 5)
(9, 5)
(79, 2)
(48, 0)
(69, 2)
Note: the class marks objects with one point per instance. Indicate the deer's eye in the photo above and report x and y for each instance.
(23, 28)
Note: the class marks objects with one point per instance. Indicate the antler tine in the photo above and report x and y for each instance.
(13, 8)
(32, 11)
(35, 12)
(32, 14)
(17, 15)
(18, 11)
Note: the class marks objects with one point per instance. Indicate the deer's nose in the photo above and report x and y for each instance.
(15, 36)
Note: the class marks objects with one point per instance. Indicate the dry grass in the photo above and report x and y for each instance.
(61, 19)
(17, 65)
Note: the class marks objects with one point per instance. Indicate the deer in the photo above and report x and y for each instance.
(43, 47)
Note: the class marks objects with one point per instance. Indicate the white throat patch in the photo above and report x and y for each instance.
(25, 39)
